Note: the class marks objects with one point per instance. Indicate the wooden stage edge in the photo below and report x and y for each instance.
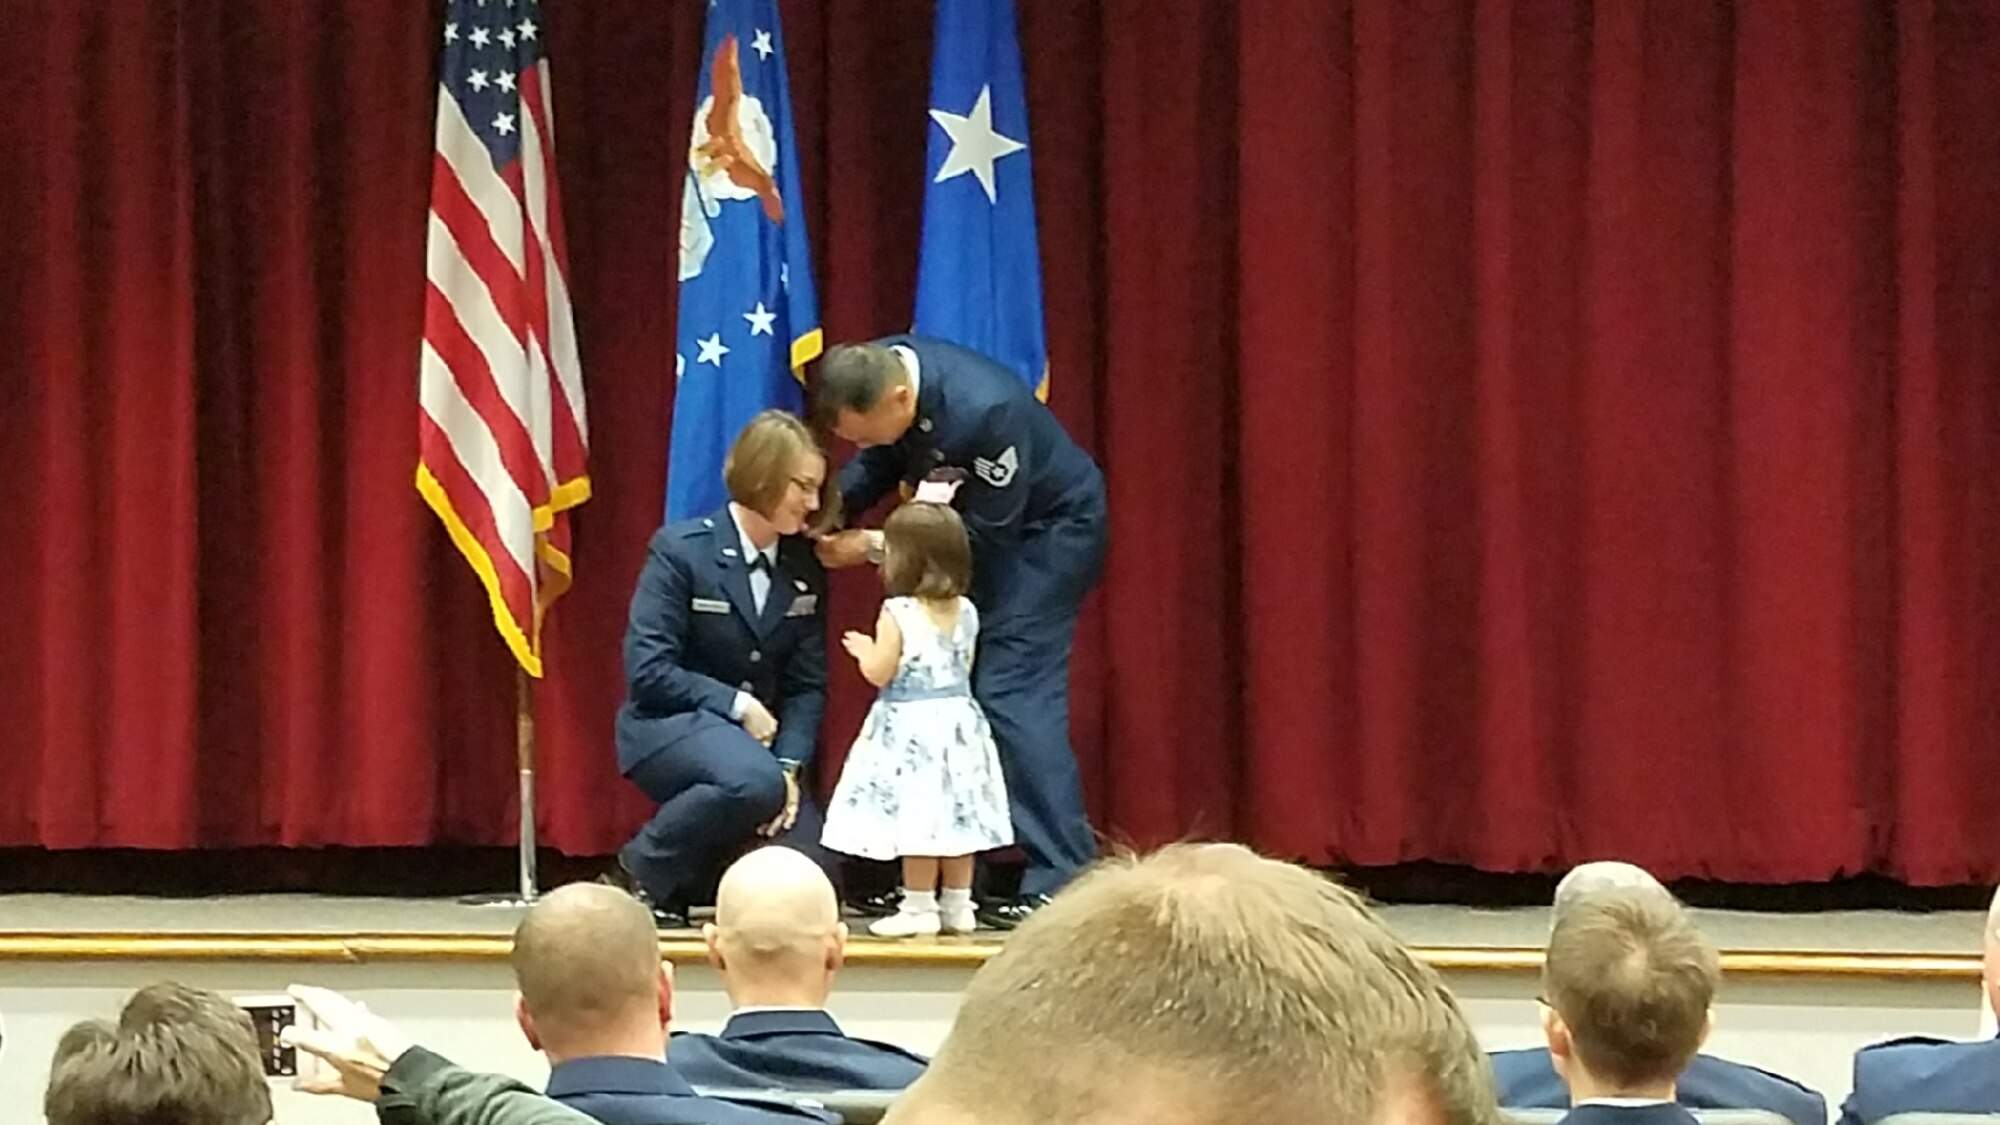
(385, 948)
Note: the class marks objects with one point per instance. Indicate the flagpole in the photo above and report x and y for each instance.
(524, 761)
(524, 752)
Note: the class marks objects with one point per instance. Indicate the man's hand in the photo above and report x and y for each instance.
(357, 1045)
(758, 720)
(788, 815)
(844, 548)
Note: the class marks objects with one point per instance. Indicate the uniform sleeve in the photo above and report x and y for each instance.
(656, 639)
(1810, 1102)
(424, 1088)
(867, 478)
(995, 499)
(802, 692)
(1850, 1113)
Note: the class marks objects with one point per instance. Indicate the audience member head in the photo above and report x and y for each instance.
(863, 394)
(1628, 985)
(777, 938)
(1204, 984)
(176, 1056)
(1601, 875)
(590, 978)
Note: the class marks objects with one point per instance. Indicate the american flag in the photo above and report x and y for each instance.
(503, 437)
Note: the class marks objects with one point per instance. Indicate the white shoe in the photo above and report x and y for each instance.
(906, 924)
(961, 921)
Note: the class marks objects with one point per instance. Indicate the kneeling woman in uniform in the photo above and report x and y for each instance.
(725, 668)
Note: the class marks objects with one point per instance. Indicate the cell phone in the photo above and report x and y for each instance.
(270, 1016)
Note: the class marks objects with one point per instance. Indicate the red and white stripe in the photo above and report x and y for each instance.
(502, 430)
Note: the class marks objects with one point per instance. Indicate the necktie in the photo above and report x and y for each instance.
(760, 579)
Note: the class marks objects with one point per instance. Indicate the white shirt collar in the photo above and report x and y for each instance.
(910, 364)
(749, 548)
(1626, 1103)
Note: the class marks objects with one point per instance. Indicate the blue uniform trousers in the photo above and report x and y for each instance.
(1028, 593)
(715, 786)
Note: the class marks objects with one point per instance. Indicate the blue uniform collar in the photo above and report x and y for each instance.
(616, 1074)
(735, 570)
(786, 1021)
(922, 434)
(773, 552)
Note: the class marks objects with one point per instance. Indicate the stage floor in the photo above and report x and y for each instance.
(1940, 933)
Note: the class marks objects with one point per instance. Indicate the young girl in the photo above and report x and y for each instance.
(923, 780)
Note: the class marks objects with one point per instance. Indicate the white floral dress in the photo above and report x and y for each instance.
(924, 776)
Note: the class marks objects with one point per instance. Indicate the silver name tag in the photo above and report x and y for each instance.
(805, 605)
(709, 605)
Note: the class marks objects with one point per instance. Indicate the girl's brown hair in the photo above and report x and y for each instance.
(926, 552)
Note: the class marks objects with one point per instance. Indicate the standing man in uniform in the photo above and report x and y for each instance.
(929, 413)
(725, 668)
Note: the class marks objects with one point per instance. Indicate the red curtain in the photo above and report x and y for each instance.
(1535, 431)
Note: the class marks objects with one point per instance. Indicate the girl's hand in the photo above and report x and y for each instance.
(858, 645)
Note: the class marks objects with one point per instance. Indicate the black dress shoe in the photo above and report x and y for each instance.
(1007, 913)
(619, 875)
(666, 915)
(669, 917)
(878, 905)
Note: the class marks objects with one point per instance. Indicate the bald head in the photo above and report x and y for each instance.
(777, 937)
(1602, 875)
(587, 959)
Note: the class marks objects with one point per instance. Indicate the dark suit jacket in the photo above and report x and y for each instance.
(1663, 1113)
(791, 1050)
(1527, 1080)
(695, 638)
(627, 1091)
(1923, 1075)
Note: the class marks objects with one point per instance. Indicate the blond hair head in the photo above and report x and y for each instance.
(1204, 983)
(586, 956)
(1632, 980)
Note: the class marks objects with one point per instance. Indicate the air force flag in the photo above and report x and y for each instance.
(749, 318)
(979, 276)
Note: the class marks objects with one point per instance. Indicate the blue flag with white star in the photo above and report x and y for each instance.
(979, 270)
(749, 318)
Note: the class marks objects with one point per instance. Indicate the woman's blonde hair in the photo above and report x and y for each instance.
(758, 469)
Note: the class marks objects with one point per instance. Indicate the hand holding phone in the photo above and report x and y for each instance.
(270, 1016)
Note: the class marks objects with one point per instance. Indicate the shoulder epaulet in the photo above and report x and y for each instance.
(894, 1049)
(690, 529)
(1776, 1077)
(1910, 1041)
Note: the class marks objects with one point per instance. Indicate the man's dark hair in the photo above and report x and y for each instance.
(853, 377)
(176, 1056)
